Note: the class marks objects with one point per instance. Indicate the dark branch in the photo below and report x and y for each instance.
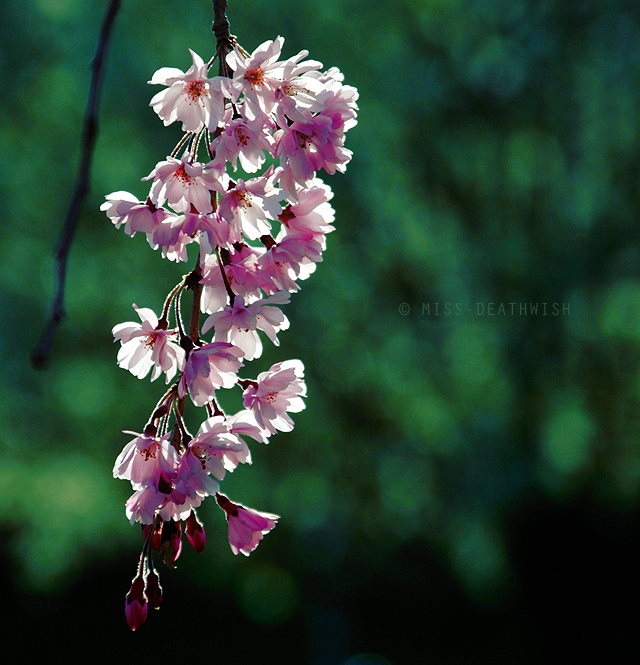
(81, 189)
(224, 41)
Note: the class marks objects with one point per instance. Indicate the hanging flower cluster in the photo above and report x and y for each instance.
(258, 215)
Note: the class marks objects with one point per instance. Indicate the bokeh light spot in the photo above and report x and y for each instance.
(269, 595)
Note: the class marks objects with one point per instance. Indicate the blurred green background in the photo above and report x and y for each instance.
(464, 485)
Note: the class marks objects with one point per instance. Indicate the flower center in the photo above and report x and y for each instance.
(151, 340)
(271, 397)
(183, 176)
(241, 136)
(255, 76)
(241, 197)
(303, 139)
(194, 90)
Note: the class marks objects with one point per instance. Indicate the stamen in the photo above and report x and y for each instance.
(255, 76)
(195, 90)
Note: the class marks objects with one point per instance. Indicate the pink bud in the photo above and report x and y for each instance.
(153, 590)
(171, 543)
(135, 607)
(195, 532)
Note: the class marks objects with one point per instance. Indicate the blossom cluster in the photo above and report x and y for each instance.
(258, 214)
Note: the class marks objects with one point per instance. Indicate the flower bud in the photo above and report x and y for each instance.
(195, 532)
(171, 542)
(153, 590)
(135, 607)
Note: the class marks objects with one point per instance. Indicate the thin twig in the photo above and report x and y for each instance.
(41, 354)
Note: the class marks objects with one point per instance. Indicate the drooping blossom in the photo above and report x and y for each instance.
(208, 368)
(239, 323)
(148, 461)
(246, 525)
(183, 183)
(276, 393)
(244, 141)
(148, 346)
(256, 77)
(191, 485)
(309, 144)
(195, 532)
(152, 589)
(240, 266)
(249, 206)
(255, 240)
(123, 208)
(218, 448)
(191, 97)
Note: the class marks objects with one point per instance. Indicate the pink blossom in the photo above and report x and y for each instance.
(141, 506)
(124, 208)
(299, 84)
(148, 461)
(153, 590)
(191, 486)
(180, 230)
(270, 319)
(183, 183)
(208, 368)
(310, 212)
(172, 236)
(217, 448)
(245, 141)
(195, 532)
(191, 97)
(338, 102)
(249, 205)
(256, 77)
(244, 423)
(309, 144)
(148, 345)
(291, 257)
(238, 324)
(246, 525)
(241, 270)
(276, 393)
(214, 292)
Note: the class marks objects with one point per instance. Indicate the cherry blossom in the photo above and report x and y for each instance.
(256, 77)
(275, 122)
(250, 205)
(277, 392)
(148, 346)
(208, 368)
(246, 525)
(184, 183)
(124, 208)
(242, 274)
(239, 323)
(191, 97)
(218, 448)
(195, 532)
(244, 141)
(147, 461)
(135, 606)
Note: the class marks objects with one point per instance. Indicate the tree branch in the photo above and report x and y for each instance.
(41, 354)
(224, 41)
